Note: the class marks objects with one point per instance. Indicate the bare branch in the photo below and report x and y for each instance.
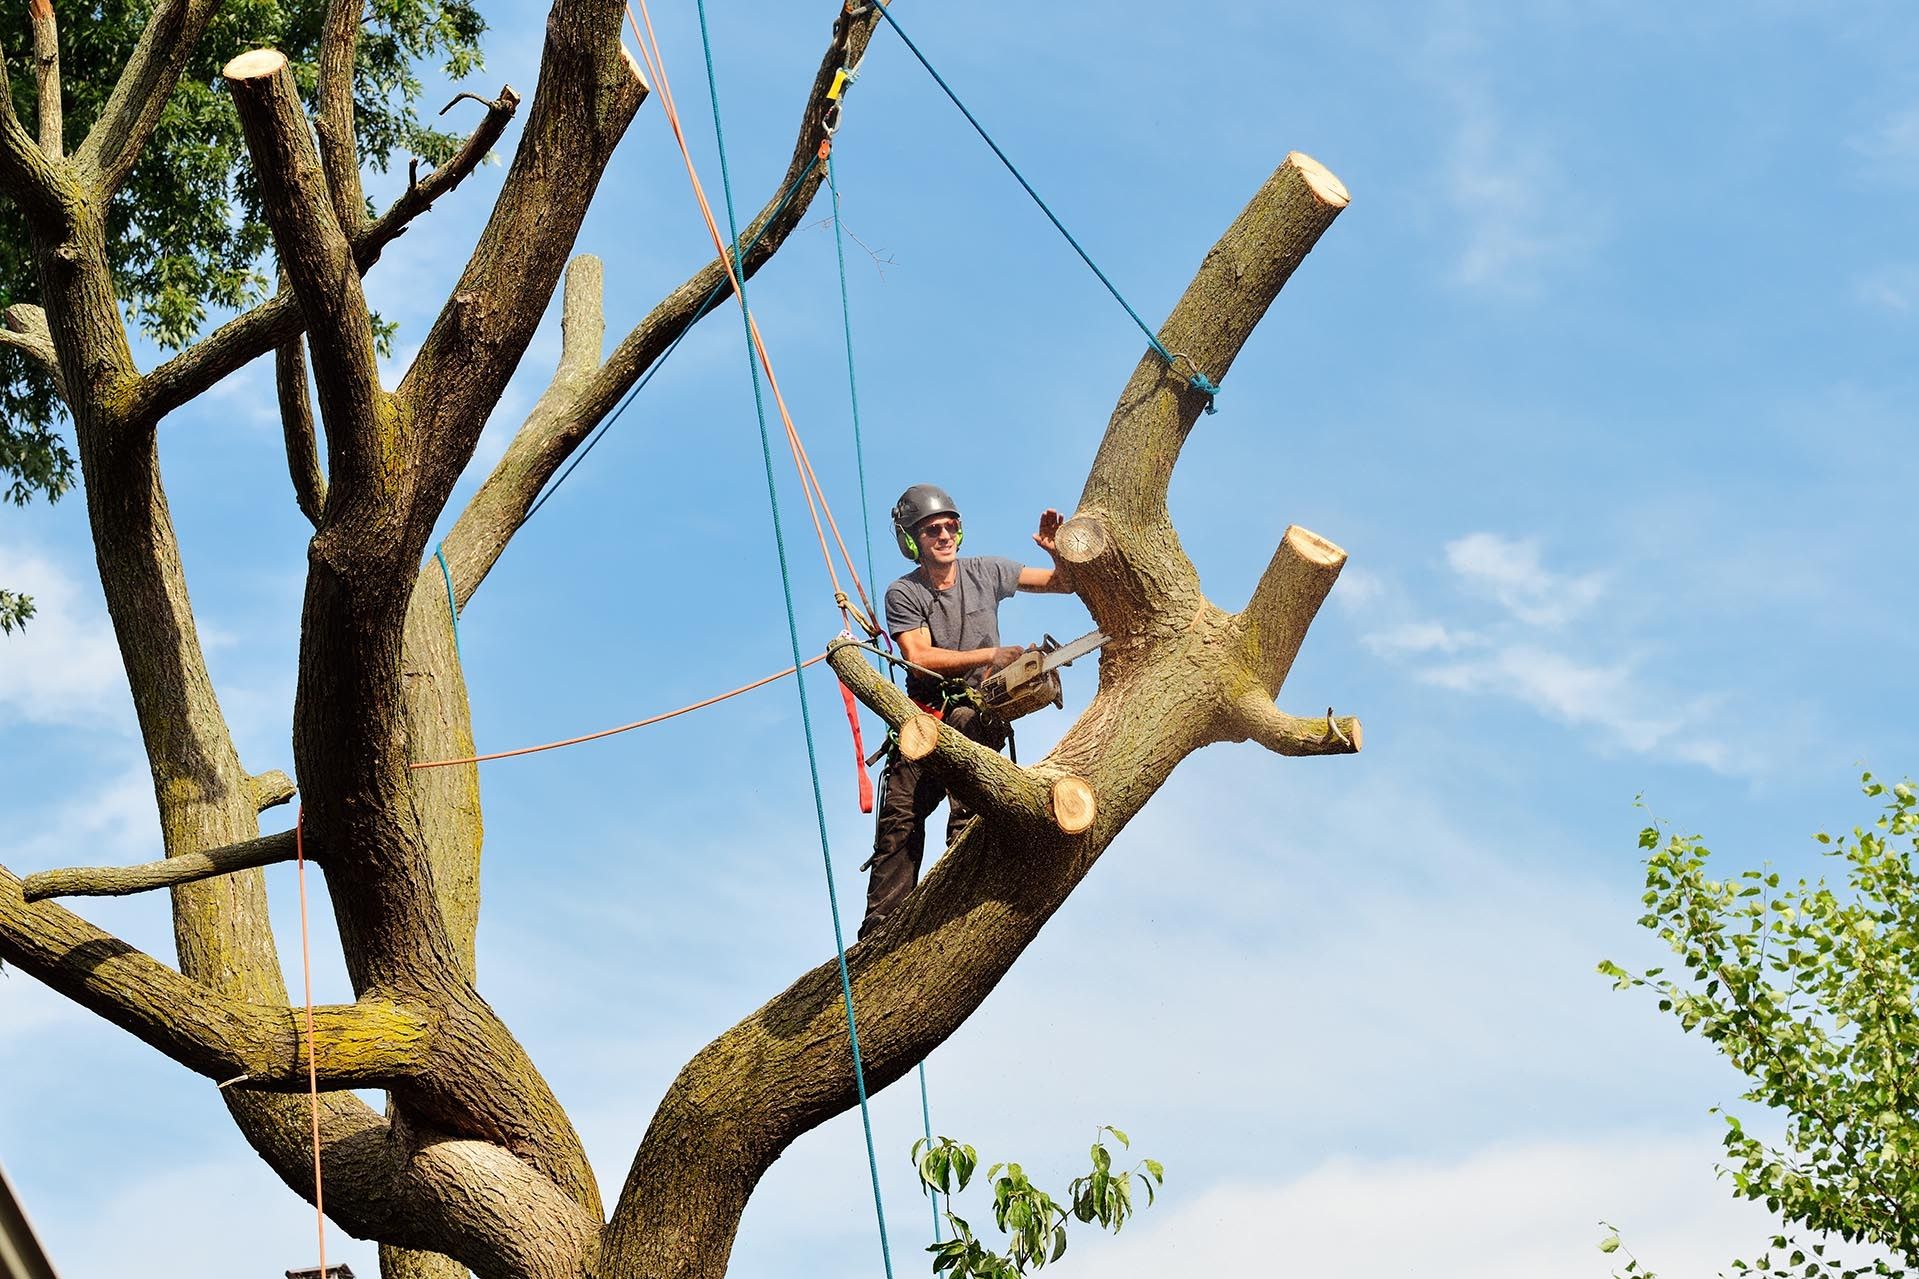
(187, 868)
(253, 333)
(420, 195)
(128, 119)
(271, 789)
(25, 330)
(1288, 596)
(568, 413)
(1257, 719)
(46, 70)
(582, 319)
(1239, 279)
(314, 252)
(333, 112)
(296, 424)
(365, 1045)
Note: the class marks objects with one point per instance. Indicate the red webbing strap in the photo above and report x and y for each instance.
(859, 748)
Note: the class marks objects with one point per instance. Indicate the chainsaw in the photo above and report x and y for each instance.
(1032, 680)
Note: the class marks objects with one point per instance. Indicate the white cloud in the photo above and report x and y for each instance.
(1893, 287)
(1419, 637)
(1511, 1212)
(1356, 589)
(1517, 217)
(1510, 572)
(119, 822)
(64, 666)
(1891, 150)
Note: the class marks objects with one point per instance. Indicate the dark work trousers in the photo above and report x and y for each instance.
(908, 795)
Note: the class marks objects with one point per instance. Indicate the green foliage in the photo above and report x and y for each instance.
(185, 234)
(14, 611)
(1033, 1222)
(1813, 993)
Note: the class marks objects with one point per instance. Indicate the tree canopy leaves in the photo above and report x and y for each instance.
(1812, 991)
(185, 235)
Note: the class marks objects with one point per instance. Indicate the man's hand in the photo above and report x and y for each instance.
(1049, 522)
(1004, 656)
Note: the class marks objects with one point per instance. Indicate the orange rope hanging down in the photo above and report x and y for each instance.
(816, 502)
(313, 1070)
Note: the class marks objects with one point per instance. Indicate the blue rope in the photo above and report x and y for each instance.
(793, 635)
(859, 454)
(1199, 381)
(705, 308)
(439, 553)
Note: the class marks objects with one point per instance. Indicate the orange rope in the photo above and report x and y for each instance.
(608, 732)
(809, 482)
(313, 1070)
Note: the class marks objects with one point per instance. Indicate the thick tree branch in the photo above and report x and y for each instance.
(114, 143)
(271, 789)
(567, 414)
(986, 780)
(1239, 279)
(253, 333)
(187, 868)
(46, 71)
(1258, 720)
(24, 328)
(333, 112)
(364, 1045)
(1290, 591)
(296, 425)
(317, 258)
(27, 174)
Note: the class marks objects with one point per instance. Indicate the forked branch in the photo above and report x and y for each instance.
(574, 405)
(1256, 719)
(314, 251)
(253, 333)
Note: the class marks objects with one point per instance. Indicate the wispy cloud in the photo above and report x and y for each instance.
(64, 668)
(1509, 571)
(1525, 654)
(1890, 150)
(1892, 287)
(1517, 212)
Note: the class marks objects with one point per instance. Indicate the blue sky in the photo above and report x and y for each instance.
(1604, 381)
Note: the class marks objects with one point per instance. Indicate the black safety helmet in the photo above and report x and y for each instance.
(921, 502)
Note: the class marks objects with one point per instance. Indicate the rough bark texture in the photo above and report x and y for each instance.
(475, 1165)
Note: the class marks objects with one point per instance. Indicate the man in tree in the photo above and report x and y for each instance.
(945, 616)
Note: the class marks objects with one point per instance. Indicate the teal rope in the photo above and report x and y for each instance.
(859, 454)
(1199, 381)
(852, 382)
(705, 308)
(439, 553)
(793, 635)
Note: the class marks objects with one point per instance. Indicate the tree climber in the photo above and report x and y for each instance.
(945, 617)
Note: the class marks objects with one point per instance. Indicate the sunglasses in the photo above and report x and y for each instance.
(939, 528)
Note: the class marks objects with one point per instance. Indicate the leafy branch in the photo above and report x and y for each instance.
(1033, 1221)
(1811, 991)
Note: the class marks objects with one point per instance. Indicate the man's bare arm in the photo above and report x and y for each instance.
(917, 647)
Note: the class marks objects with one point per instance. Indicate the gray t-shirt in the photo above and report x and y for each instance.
(964, 615)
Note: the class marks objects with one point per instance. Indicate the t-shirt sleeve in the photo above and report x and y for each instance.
(905, 610)
(1007, 584)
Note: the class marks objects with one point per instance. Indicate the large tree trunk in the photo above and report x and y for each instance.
(475, 1165)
